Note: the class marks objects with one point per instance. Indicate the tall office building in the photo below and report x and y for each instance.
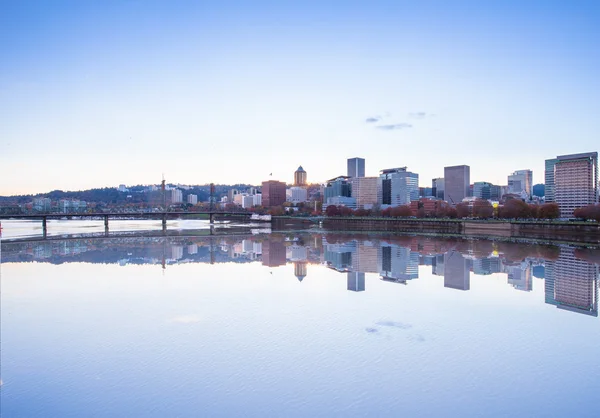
(364, 190)
(549, 180)
(396, 187)
(437, 188)
(572, 181)
(273, 193)
(521, 181)
(356, 167)
(457, 182)
(300, 177)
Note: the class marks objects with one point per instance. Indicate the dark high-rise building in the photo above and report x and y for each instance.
(300, 177)
(457, 183)
(437, 188)
(273, 193)
(356, 167)
(549, 180)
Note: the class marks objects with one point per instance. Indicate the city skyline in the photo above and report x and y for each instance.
(120, 93)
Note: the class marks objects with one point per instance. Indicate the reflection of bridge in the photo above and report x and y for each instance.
(125, 215)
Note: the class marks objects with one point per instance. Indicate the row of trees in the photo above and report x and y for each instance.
(481, 209)
(591, 212)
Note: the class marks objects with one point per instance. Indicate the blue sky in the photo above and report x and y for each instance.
(98, 93)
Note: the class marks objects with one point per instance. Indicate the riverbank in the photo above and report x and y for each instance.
(583, 232)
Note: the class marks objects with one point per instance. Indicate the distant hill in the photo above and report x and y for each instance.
(135, 194)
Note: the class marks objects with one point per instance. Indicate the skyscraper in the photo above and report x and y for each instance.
(549, 180)
(396, 187)
(437, 186)
(574, 181)
(300, 177)
(457, 181)
(356, 167)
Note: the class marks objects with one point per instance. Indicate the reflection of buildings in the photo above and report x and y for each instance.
(487, 265)
(339, 256)
(398, 264)
(300, 270)
(519, 276)
(572, 284)
(438, 265)
(365, 259)
(273, 253)
(456, 271)
(356, 281)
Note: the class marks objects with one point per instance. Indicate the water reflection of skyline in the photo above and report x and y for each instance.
(570, 280)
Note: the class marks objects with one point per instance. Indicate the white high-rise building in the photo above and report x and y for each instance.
(396, 187)
(176, 196)
(575, 182)
(192, 199)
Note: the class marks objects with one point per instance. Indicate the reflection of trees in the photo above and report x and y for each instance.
(588, 254)
(519, 251)
(482, 248)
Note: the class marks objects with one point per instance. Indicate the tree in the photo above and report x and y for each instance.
(548, 211)
(421, 212)
(362, 212)
(401, 211)
(590, 212)
(513, 209)
(332, 210)
(376, 209)
(442, 210)
(482, 209)
(276, 211)
(451, 213)
(463, 210)
(534, 210)
(345, 211)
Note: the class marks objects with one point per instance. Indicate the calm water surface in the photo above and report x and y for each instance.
(290, 324)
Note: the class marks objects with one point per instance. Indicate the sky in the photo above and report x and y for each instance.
(102, 93)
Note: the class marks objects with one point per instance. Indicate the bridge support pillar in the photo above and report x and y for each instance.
(164, 222)
(105, 223)
(211, 217)
(45, 226)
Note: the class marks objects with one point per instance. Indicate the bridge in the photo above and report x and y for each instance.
(124, 215)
